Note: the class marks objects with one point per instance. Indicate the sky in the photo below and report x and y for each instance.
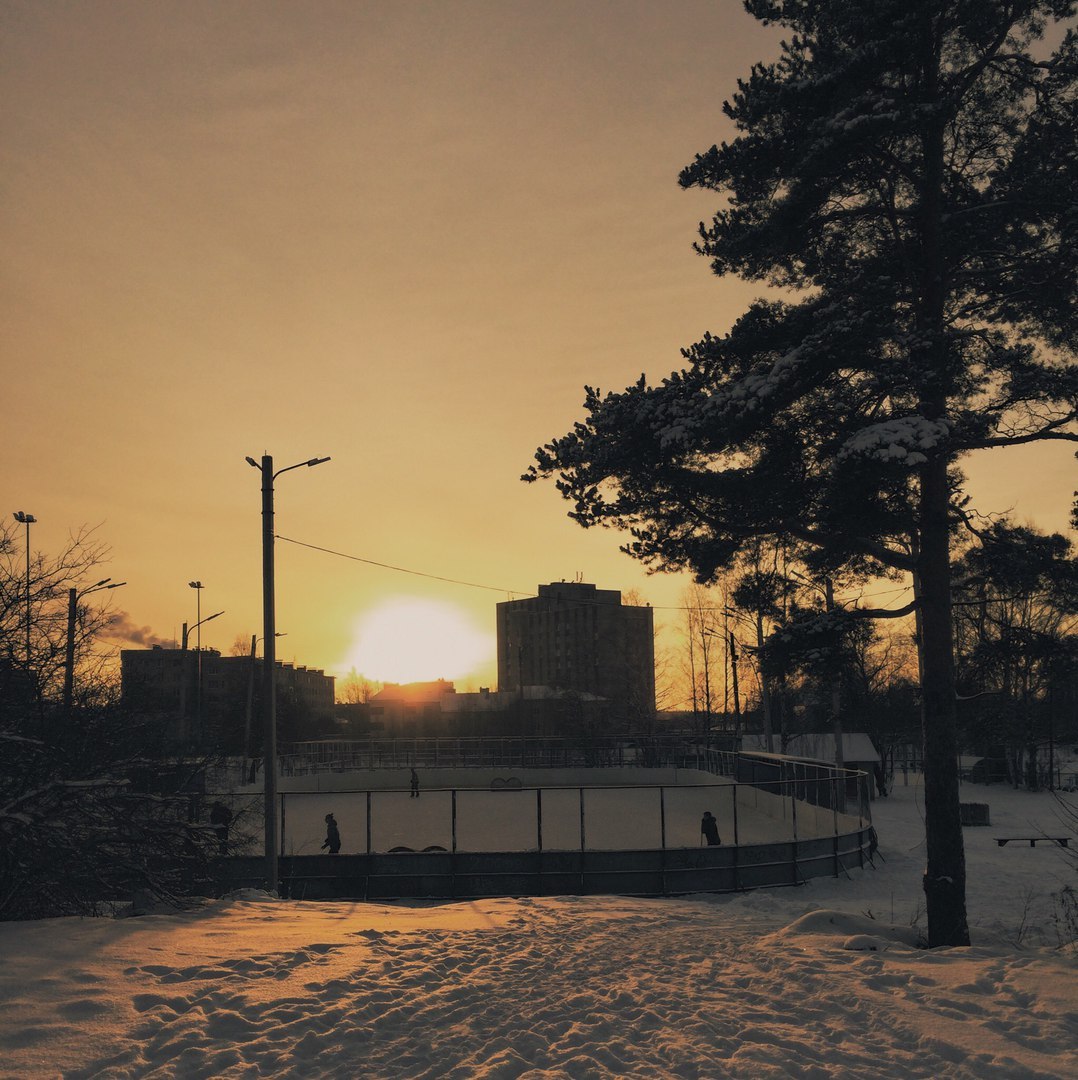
(402, 235)
(821, 981)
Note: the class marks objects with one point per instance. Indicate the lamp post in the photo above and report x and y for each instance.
(27, 520)
(706, 633)
(730, 642)
(732, 648)
(250, 695)
(73, 598)
(183, 663)
(269, 661)
(733, 677)
(198, 587)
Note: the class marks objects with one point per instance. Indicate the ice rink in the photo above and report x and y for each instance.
(552, 809)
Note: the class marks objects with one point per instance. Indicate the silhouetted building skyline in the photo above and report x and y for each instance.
(573, 636)
(165, 681)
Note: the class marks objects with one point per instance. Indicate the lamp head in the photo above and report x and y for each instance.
(316, 461)
(251, 461)
(195, 584)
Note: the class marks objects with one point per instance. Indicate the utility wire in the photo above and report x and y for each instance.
(403, 569)
(511, 592)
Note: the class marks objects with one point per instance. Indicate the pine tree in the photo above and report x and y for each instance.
(905, 174)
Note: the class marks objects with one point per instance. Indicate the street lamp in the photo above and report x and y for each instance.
(250, 695)
(730, 642)
(269, 660)
(27, 520)
(183, 664)
(198, 587)
(73, 598)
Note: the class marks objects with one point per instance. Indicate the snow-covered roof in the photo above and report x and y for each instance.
(856, 746)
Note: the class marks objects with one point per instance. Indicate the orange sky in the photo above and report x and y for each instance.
(400, 234)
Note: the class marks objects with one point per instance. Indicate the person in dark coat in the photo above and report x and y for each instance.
(221, 819)
(333, 836)
(881, 780)
(710, 828)
(415, 785)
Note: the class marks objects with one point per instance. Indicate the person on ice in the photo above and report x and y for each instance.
(710, 828)
(415, 785)
(333, 836)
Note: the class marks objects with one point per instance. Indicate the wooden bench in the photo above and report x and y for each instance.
(1062, 841)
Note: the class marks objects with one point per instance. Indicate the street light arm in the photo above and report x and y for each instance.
(101, 586)
(299, 465)
(205, 620)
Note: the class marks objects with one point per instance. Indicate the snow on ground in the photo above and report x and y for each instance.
(818, 982)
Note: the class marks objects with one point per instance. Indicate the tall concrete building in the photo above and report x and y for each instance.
(573, 636)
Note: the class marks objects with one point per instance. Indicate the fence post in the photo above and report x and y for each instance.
(662, 839)
(582, 841)
(834, 816)
(737, 856)
(453, 851)
(793, 806)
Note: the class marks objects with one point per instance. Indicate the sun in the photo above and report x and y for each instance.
(406, 639)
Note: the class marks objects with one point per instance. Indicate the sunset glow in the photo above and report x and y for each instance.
(407, 639)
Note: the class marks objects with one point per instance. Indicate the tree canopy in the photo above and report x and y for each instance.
(904, 175)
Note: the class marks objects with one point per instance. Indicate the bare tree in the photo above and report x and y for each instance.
(86, 818)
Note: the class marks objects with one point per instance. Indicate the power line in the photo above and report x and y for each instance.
(403, 569)
(525, 594)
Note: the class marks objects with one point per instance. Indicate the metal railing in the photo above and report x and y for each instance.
(525, 752)
(782, 821)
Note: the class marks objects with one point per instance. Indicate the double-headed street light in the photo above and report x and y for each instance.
(73, 598)
(27, 520)
(269, 661)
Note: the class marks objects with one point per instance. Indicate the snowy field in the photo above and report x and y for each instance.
(822, 981)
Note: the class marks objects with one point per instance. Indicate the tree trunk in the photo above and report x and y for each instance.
(765, 689)
(945, 873)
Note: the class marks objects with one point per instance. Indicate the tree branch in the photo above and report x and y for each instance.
(1043, 435)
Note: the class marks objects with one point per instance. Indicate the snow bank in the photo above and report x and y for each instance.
(816, 982)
